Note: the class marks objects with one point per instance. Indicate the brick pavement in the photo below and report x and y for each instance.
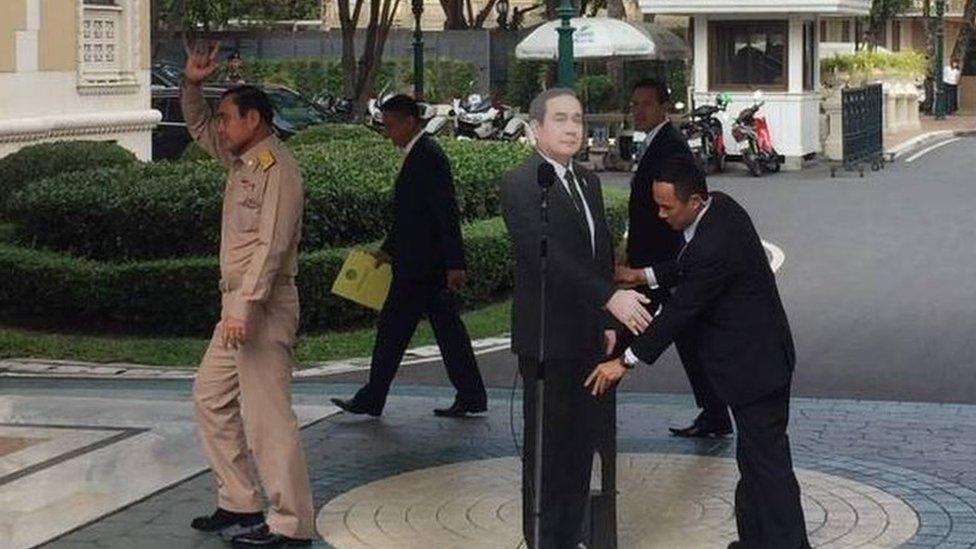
(913, 456)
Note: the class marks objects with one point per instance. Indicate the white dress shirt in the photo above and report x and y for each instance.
(629, 357)
(406, 150)
(951, 76)
(561, 173)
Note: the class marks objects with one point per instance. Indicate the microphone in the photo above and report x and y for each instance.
(546, 175)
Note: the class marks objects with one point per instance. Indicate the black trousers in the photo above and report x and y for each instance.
(407, 302)
(951, 98)
(575, 425)
(767, 498)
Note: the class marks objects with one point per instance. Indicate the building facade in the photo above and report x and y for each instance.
(75, 69)
(911, 32)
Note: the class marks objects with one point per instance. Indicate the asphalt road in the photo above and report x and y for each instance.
(879, 281)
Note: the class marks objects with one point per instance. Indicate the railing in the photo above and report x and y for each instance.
(863, 130)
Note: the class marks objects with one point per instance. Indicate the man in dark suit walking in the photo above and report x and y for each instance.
(726, 295)
(427, 255)
(579, 295)
(652, 243)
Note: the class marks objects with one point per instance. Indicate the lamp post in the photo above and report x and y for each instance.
(566, 70)
(938, 89)
(418, 50)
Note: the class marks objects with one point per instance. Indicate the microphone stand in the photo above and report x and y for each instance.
(540, 374)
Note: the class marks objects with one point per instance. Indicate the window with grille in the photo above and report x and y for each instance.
(108, 43)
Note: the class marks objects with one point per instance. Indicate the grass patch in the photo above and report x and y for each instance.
(487, 321)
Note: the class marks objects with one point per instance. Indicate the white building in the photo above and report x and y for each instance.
(740, 46)
(75, 69)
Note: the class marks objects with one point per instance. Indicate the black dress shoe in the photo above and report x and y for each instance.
(354, 407)
(266, 538)
(229, 524)
(702, 431)
(460, 410)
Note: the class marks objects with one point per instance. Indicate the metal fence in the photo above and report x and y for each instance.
(863, 129)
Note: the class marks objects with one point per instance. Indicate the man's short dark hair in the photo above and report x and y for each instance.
(537, 109)
(660, 88)
(401, 104)
(251, 98)
(683, 171)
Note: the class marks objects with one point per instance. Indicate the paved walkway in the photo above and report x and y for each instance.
(930, 128)
(874, 474)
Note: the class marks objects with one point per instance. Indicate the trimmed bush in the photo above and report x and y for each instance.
(44, 160)
(166, 209)
(330, 133)
(180, 296)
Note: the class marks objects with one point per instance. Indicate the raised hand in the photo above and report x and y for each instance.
(200, 62)
(627, 306)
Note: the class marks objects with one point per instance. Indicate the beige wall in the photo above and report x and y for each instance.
(58, 37)
(13, 17)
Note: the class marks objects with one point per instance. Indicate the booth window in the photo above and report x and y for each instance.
(747, 55)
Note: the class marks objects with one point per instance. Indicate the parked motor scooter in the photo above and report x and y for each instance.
(479, 117)
(706, 135)
(751, 132)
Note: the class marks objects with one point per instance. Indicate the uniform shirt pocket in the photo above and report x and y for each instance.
(248, 197)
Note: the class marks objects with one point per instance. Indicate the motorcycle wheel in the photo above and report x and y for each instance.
(719, 162)
(753, 164)
(774, 164)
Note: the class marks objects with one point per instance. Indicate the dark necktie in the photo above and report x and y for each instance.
(574, 192)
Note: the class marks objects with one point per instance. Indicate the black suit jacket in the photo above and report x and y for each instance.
(649, 239)
(579, 283)
(425, 239)
(727, 293)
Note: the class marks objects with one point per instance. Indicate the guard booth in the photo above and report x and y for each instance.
(740, 46)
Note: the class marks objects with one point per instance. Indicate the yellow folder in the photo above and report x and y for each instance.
(361, 281)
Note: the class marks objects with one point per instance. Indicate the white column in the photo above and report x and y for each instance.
(26, 40)
(795, 55)
(701, 53)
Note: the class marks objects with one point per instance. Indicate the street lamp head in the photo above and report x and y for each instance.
(417, 7)
(502, 7)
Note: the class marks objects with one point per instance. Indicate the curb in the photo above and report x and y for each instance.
(70, 369)
(919, 140)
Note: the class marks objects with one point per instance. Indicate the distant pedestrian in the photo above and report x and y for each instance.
(235, 69)
(950, 77)
(426, 251)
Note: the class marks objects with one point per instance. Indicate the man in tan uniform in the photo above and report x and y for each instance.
(242, 390)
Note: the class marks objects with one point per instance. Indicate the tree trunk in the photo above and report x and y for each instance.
(479, 20)
(348, 22)
(965, 34)
(454, 15)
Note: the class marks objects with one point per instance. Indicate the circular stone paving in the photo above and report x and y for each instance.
(665, 500)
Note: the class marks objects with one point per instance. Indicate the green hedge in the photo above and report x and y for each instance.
(180, 296)
(330, 133)
(172, 209)
(45, 160)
